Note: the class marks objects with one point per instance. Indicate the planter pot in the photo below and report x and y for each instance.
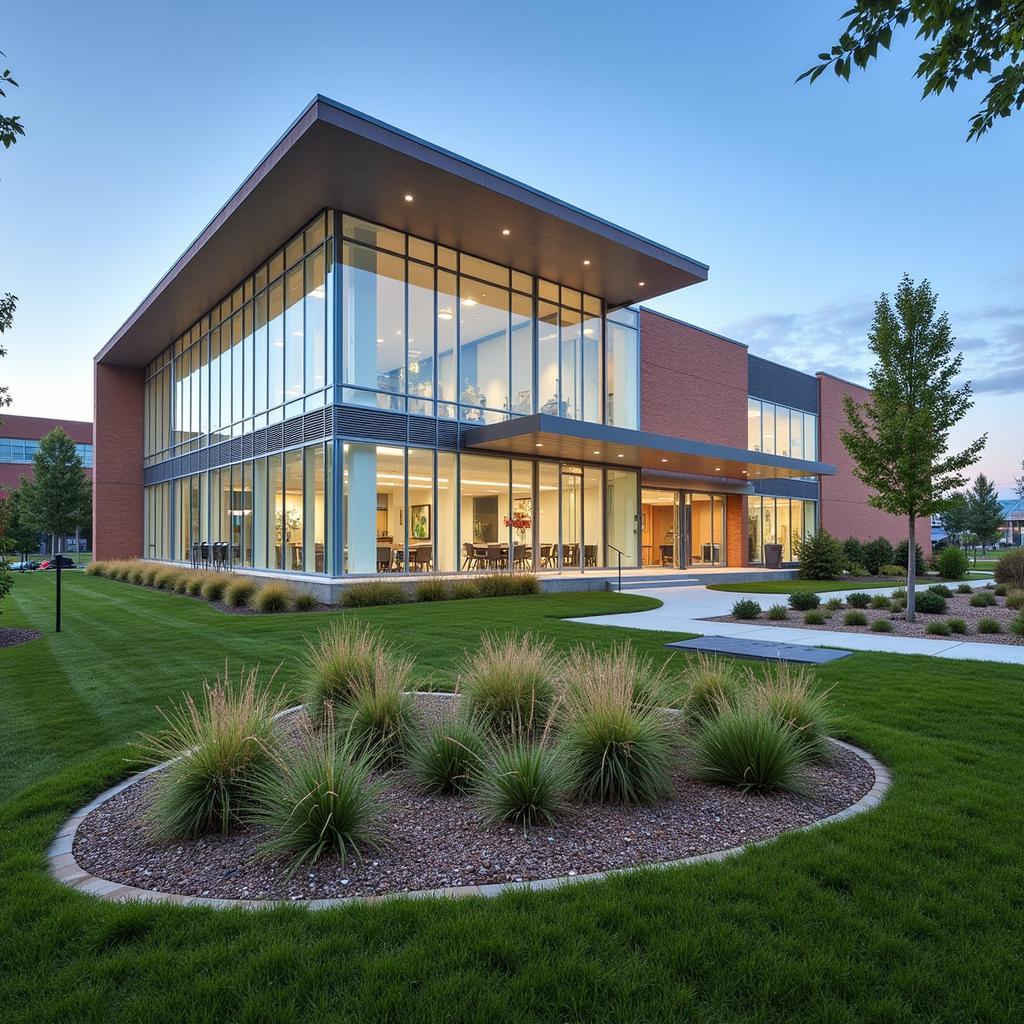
(772, 556)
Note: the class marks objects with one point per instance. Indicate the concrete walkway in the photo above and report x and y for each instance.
(687, 609)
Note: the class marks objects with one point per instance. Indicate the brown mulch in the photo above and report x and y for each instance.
(11, 637)
(440, 841)
(957, 607)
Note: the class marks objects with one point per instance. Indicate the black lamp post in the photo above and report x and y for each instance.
(57, 565)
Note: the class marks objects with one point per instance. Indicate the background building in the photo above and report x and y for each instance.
(380, 356)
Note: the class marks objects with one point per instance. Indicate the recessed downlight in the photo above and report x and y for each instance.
(538, 445)
(586, 263)
(641, 283)
(718, 469)
(620, 456)
(506, 231)
(596, 452)
(664, 460)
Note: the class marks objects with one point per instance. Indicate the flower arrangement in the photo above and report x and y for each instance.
(518, 521)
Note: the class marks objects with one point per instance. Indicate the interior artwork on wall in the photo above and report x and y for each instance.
(419, 522)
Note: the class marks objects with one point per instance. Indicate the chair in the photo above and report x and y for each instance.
(194, 554)
(423, 558)
(520, 556)
(469, 560)
(546, 561)
(495, 556)
(204, 554)
(383, 558)
(590, 554)
(667, 556)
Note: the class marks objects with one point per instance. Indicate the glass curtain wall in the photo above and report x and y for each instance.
(782, 521)
(780, 430)
(705, 529)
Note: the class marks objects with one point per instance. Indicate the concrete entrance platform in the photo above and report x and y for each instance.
(760, 650)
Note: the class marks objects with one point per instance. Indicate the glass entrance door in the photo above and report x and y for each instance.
(704, 521)
(659, 525)
(572, 517)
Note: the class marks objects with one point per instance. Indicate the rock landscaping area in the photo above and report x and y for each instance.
(433, 841)
(11, 637)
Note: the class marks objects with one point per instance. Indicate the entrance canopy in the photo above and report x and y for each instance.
(577, 441)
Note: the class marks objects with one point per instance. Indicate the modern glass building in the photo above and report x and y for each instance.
(382, 358)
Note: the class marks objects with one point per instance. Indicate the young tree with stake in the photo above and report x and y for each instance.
(899, 438)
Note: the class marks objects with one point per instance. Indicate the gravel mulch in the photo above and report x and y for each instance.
(435, 842)
(957, 607)
(11, 637)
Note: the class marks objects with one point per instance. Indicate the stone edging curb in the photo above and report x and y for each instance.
(67, 870)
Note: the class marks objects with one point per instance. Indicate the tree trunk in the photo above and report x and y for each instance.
(911, 569)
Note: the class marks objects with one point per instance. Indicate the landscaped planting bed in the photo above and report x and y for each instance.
(963, 615)
(538, 767)
(11, 636)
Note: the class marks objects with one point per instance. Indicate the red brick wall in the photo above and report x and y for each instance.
(33, 428)
(844, 509)
(117, 503)
(692, 383)
(736, 527)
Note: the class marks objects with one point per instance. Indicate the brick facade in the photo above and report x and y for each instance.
(118, 494)
(844, 509)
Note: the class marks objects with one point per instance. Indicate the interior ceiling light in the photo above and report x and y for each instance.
(597, 453)
(506, 231)
(620, 456)
(664, 460)
(538, 445)
(444, 313)
(586, 263)
(718, 469)
(641, 283)
(469, 302)
(408, 198)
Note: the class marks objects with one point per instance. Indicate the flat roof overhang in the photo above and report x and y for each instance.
(337, 157)
(577, 441)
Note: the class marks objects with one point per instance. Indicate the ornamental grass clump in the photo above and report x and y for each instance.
(214, 586)
(1015, 600)
(446, 756)
(587, 671)
(239, 593)
(305, 601)
(957, 625)
(194, 588)
(777, 613)
(371, 593)
(880, 601)
(815, 618)
(166, 579)
(616, 744)
(522, 783)
(1017, 624)
(833, 604)
(881, 626)
(987, 625)
(983, 599)
(379, 717)
(344, 658)
(317, 798)
(938, 629)
(182, 582)
(1000, 589)
(503, 584)
(710, 684)
(507, 683)
(150, 574)
(966, 588)
(215, 745)
(791, 695)
(463, 590)
(274, 596)
(432, 589)
(136, 572)
(855, 617)
(1010, 569)
(750, 748)
(96, 569)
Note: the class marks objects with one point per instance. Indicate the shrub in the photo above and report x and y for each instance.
(522, 783)
(165, 579)
(815, 618)
(196, 582)
(966, 588)
(899, 594)
(854, 551)
(821, 556)
(305, 601)
(957, 626)
(1000, 589)
(507, 683)
(952, 563)
(881, 626)
(777, 612)
(372, 592)
(789, 694)
(983, 599)
(877, 552)
(1015, 600)
(803, 601)
(136, 573)
(96, 569)
(503, 584)
(833, 604)
(746, 609)
(941, 589)
(858, 599)
(987, 625)
(856, 569)
(379, 717)
(614, 748)
(900, 555)
(317, 798)
(446, 756)
(215, 747)
(1017, 624)
(463, 589)
(239, 592)
(855, 618)
(710, 684)
(1010, 569)
(149, 575)
(590, 675)
(892, 570)
(432, 589)
(273, 596)
(181, 583)
(749, 748)
(938, 629)
(879, 601)
(930, 603)
(345, 657)
(214, 586)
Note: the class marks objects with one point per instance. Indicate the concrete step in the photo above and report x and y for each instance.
(654, 582)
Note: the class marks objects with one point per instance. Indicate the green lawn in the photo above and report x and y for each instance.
(910, 913)
(825, 586)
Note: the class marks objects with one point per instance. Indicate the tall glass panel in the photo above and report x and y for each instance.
(260, 507)
(447, 328)
(548, 515)
(421, 338)
(483, 348)
(315, 322)
(484, 499)
(225, 379)
(810, 436)
(620, 381)
(754, 424)
(768, 428)
(275, 350)
(796, 434)
(420, 513)
(236, 373)
(521, 519)
(621, 516)
(547, 359)
(783, 526)
(373, 513)
(810, 518)
(781, 430)
(592, 389)
(294, 341)
(275, 511)
(373, 297)
(260, 355)
(593, 517)
(522, 353)
(223, 497)
(570, 356)
(314, 509)
(294, 521)
(248, 360)
(242, 512)
(755, 538)
(446, 546)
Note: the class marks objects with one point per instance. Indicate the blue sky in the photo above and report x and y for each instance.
(679, 121)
